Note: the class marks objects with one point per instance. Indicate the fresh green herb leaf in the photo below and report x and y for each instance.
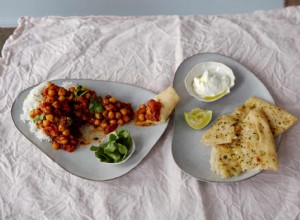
(39, 118)
(94, 148)
(69, 121)
(116, 156)
(80, 91)
(95, 106)
(116, 148)
(112, 137)
(102, 156)
(111, 147)
(122, 149)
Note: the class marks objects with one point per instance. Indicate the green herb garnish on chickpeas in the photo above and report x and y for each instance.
(80, 91)
(39, 118)
(95, 106)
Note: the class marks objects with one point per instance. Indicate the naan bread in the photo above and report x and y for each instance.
(169, 99)
(221, 132)
(247, 141)
(278, 119)
(254, 149)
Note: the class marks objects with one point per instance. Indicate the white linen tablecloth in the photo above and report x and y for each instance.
(146, 51)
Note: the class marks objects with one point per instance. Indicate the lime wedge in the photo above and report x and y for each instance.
(198, 118)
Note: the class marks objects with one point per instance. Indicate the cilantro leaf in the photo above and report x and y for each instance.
(80, 91)
(116, 148)
(122, 149)
(112, 137)
(95, 106)
(39, 118)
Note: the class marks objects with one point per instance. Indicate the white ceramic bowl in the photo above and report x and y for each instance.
(213, 67)
(130, 153)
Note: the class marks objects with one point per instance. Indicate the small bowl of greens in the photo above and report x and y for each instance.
(116, 148)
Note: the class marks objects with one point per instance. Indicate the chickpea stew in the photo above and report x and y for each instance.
(63, 111)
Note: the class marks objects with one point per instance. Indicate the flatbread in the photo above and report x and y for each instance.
(169, 99)
(221, 132)
(246, 142)
(254, 149)
(278, 119)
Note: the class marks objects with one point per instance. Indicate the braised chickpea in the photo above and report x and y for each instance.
(97, 122)
(61, 98)
(120, 121)
(88, 95)
(104, 124)
(49, 84)
(32, 113)
(141, 117)
(50, 99)
(124, 111)
(111, 115)
(51, 92)
(49, 117)
(62, 127)
(66, 132)
(56, 104)
(97, 115)
(148, 112)
(46, 123)
(53, 133)
(55, 145)
(118, 115)
(105, 101)
(47, 110)
(61, 92)
(112, 100)
(113, 122)
(64, 140)
(142, 106)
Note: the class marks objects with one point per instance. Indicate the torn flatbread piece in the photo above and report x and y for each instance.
(278, 119)
(158, 109)
(221, 132)
(253, 150)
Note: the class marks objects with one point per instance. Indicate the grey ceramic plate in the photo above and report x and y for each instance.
(82, 162)
(189, 153)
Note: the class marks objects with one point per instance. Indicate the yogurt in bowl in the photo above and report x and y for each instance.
(209, 81)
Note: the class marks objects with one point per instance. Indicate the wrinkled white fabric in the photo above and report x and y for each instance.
(146, 51)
